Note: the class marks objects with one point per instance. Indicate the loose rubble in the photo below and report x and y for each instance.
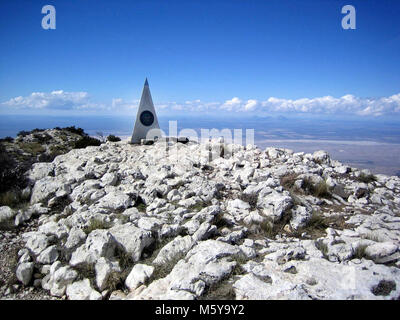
(195, 221)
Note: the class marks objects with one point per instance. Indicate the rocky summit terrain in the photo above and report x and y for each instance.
(202, 221)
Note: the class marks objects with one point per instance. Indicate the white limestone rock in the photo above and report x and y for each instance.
(81, 290)
(150, 223)
(109, 179)
(24, 272)
(115, 200)
(176, 248)
(6, 214)
(275, 204)
(105, 269)
(138, 276)
(205, 264)
(131, 239)
(300, 216)
(40, 170)
(36, 242)
(48, 255)
(105, 182)
(99, 243)
(59, 278)
(54, 228)
(381, 250)
(76, 237)
(321, 157)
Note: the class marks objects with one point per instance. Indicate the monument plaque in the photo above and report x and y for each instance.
(146, 124)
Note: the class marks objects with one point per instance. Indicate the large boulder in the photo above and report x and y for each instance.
(36, 242)
(178, 247)
(105, 270)
(6, 216)
(24, 272)
(81, 290)
(275, 204)
(99, 243)
(138, 276)
(131, 239)
(115, 200)
(58, 279)
(205, 264)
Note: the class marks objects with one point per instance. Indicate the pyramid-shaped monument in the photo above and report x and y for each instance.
(146, 124)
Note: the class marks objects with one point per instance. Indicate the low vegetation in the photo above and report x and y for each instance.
(384, 287)
(251, 199)
(95, 224)
(366, 178)
(223, 290)
(86, 141)
(317, 222)
(321, 246)
(288, 181)
(12, 178)
(140, 205)
(360, 252)
(198, 206)
(319, 190)
(113, 138)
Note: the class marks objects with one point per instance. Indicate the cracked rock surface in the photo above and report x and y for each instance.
(202, 221)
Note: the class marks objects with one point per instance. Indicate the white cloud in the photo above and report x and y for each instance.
(251, 104)
(230, 105)
(118, 104)
(53, 100)
(348, 104)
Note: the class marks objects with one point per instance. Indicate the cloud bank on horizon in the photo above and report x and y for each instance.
(42, 102)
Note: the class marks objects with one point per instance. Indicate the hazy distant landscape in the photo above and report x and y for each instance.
(371, 144)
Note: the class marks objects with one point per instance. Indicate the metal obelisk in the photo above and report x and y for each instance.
(146, 124)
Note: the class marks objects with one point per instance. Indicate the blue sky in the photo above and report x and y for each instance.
(236, 56)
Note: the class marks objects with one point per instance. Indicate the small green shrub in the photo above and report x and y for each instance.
(251, 199)
(269, 229)
(42, 138)
(32, 147)
(9, 198)
(287, 181)
(78, 131)
(366, 178)
(113, 138)
(37, 130)
(86, 141)
(240, 260)
(384, 287)
(141, 207)
(198, 206)
(95, 224)
(162, 270)
(7, 139)
(222, 290)
(320, 190)
(318, 222)
(359, 252)
(23, 133)
(86, 271)
(12, 174)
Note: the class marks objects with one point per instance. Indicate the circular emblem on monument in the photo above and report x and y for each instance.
(146, 118)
